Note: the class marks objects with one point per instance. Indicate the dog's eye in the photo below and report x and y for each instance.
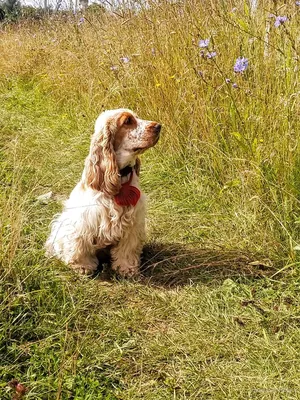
(128, 121)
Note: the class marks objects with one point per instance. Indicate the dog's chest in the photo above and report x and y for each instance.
(115, 223)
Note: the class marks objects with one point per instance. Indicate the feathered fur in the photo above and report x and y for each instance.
(91, 220)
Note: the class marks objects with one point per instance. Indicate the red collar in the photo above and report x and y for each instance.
(128, 195)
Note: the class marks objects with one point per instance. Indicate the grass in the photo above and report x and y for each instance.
(215, 313)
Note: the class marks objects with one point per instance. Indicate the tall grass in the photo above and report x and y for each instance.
(224, 177)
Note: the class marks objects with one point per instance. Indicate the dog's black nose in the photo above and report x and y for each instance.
(157, 128)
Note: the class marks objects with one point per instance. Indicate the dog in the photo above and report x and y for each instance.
(106, 209)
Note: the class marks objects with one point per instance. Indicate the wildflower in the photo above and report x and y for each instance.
(280, 20)
(297, 3)
(203, 43)
(211, 55)
(227, 80)
(125, 60)
(81, 21)
(235, 85)
(241, 64)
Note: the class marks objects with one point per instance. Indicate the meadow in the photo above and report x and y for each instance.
(215, 313)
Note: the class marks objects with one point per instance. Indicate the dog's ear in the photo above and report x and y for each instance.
(137, 166)
(102, 173)
(94, 171)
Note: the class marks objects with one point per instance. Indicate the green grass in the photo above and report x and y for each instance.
(215, 313)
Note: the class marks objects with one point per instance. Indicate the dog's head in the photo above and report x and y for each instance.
(119, 138)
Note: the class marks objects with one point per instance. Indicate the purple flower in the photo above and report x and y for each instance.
(280, 20)
(241, 64)
(297, 3)
(81, 21)
(203, 43)
(125, 60)
(235, 85)
(211, 55)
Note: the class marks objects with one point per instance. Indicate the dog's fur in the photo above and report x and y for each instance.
(91, 219)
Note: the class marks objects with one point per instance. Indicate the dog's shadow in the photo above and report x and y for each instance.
(169, 265)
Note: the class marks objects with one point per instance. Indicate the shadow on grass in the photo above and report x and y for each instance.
(176, 265)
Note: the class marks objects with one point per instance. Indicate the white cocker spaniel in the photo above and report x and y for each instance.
(106, 209)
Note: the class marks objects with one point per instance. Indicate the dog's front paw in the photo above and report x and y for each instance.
(84, 269)
(127, 271)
